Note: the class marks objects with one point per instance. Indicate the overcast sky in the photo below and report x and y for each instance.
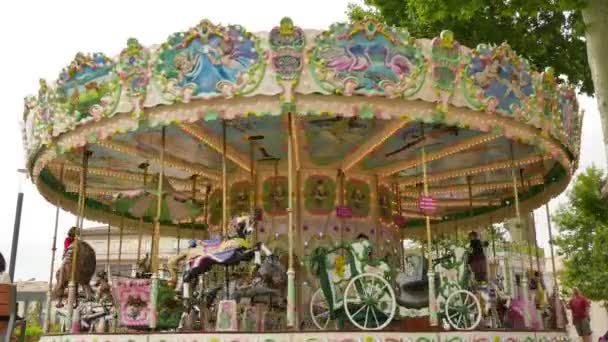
(39, 38)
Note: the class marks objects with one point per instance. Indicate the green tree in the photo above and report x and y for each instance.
(568, 35)
(583, 236)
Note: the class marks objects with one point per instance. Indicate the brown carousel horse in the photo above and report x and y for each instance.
(85, 269)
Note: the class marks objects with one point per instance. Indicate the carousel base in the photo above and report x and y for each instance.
(358, 336)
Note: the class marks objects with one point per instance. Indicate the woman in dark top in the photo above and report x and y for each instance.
(477, 258)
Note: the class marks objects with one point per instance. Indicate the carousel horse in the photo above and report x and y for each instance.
(217, 252)
(143, 268)
(269, 280)
(104, 290)
(85, 268)
(494, 303)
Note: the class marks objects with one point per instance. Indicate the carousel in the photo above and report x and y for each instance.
(343, 184)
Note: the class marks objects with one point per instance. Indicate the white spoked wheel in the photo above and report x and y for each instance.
(320, 312)
(369, 302)
(462, 310)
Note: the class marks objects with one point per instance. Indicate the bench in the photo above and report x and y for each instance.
(8, 313)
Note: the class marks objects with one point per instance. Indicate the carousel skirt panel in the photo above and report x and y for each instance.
(473, 336)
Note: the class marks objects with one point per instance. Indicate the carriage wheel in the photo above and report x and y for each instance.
(369, 302)
(320, 312)
(462, 310)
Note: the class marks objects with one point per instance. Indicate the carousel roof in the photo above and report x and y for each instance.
(364, 97)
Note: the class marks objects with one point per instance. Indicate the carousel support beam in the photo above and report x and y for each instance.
(461, 146)
(73, 283)
(429, 242)
(216, 144)
(352, 159)
(154, 263)
(291, 289)
(47, 319)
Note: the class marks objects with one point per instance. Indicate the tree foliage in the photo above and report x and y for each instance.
(546, 32)
(583, 236)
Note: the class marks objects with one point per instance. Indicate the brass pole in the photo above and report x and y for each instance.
(275, 181)
(252, 184)
(224, 183)
(206, 209)
(536, 251)
(108, 251)
(154, 263)
(47, 320)
(120, 236)
(470, 196)
(143, 166)
(528, 222)
(341, 201)
(73, 284)
(193, 223)
(557, 303)
(524, 278)
(376, 210)
(400, 213)
(291, 289)
(431, 272)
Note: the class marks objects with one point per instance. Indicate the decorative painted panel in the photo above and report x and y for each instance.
(208, 61)
(368, 58)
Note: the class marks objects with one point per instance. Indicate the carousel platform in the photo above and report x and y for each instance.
(358, 336)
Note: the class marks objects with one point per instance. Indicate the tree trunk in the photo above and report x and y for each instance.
(595, 16)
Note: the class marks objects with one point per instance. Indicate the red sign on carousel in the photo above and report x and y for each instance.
(344, 212)
(427, 204)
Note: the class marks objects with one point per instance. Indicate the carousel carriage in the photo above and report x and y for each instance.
(352, 285)
(360, 289)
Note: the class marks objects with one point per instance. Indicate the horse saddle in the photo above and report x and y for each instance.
(219, 251)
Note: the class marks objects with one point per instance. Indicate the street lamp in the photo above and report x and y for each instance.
(22, 173)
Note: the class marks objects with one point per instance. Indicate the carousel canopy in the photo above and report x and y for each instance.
(364, 100)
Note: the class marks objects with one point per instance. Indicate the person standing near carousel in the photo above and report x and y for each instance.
(477, 257)
(580, 307)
